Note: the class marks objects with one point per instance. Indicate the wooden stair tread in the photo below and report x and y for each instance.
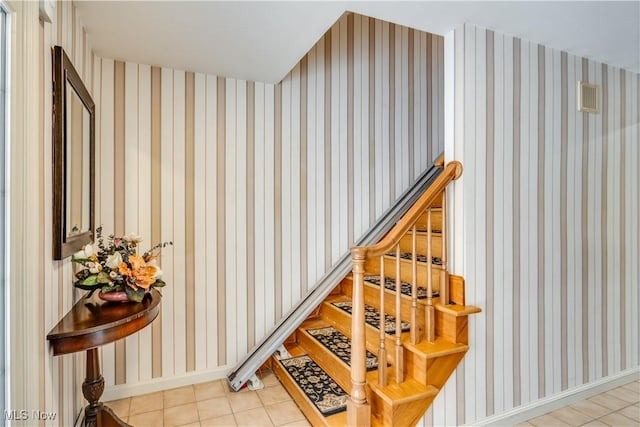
(307, 407)
(421, 264)
(440, 347)
(327, 359)
(455, 309)
(421, 233)
(398, 394)
(328, 302)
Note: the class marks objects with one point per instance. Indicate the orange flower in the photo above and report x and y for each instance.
(144, 275)
(123, 268)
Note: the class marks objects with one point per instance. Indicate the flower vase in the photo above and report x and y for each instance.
(114, 296)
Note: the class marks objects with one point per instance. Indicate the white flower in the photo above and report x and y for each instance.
(113, 275)
(93, 270)
(114, 260)
(133, 238)
(86, 252)
(154, 263)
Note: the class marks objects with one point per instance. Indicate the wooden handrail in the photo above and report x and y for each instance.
(451, 172)
(358, 409)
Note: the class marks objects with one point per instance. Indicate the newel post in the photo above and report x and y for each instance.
(358, 410)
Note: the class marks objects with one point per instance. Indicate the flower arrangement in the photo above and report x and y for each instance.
(116, 266)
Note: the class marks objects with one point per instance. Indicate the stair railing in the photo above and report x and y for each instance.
(358, 410)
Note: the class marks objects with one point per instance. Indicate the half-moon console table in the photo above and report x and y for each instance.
(90, 323)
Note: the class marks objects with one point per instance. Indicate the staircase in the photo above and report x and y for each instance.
(345, 366)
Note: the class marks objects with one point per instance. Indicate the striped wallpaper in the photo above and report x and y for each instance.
(546, 224)
(60, 390)
(261, 187)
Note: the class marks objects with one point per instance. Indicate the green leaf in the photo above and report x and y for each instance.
(103, 277)
(159, 284)
(79, 285)
(90, 281)
(134, 295)
(110, 288)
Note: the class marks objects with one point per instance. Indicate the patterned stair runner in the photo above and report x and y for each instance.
(340, 345)
(405, 288)
(419, 258)
(372, 317)
(316, 384)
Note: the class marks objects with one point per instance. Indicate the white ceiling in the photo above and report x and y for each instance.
(262, 41)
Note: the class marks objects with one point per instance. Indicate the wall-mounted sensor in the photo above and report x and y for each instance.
(588, 97)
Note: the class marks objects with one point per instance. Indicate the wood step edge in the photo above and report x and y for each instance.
(422, 232)
(332, 322)
(456, 310)
(453, 309)
(306, 406)
(397, 394)
(311, 346)
(420, 263)
(422, 348)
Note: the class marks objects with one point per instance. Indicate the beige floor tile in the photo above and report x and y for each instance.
(283, 413)
(632, 386)
(226, 421)
(257, 417)
(146, 403)
(178, 396)
(147, 419)
(595, 423)
(547, 420)
(609, 401)
(196, 424)
(571, 416)
(244, 401)
(624, 395)
(301, 423)
(524, 424)
(269, 378)
(590, 408)
(120, 407)
(179, 415)
(214, 408)
(273, 394)
(206, 391)
(618, 420)
(632, 412)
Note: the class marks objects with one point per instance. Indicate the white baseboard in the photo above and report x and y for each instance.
(127, 390)
(557, 401)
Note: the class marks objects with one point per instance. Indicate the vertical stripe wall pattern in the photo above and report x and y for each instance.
(548, 224)
(261, 187)
(60, 390)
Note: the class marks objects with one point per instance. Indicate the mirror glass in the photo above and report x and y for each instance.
(77, 163)
(73, 159)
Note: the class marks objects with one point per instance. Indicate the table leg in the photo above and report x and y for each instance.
(92, 388)
(96, 414)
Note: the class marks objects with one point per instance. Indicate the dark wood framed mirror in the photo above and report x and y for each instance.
(73, 159)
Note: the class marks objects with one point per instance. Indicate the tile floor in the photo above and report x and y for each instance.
(619, 407)
(212, 404)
